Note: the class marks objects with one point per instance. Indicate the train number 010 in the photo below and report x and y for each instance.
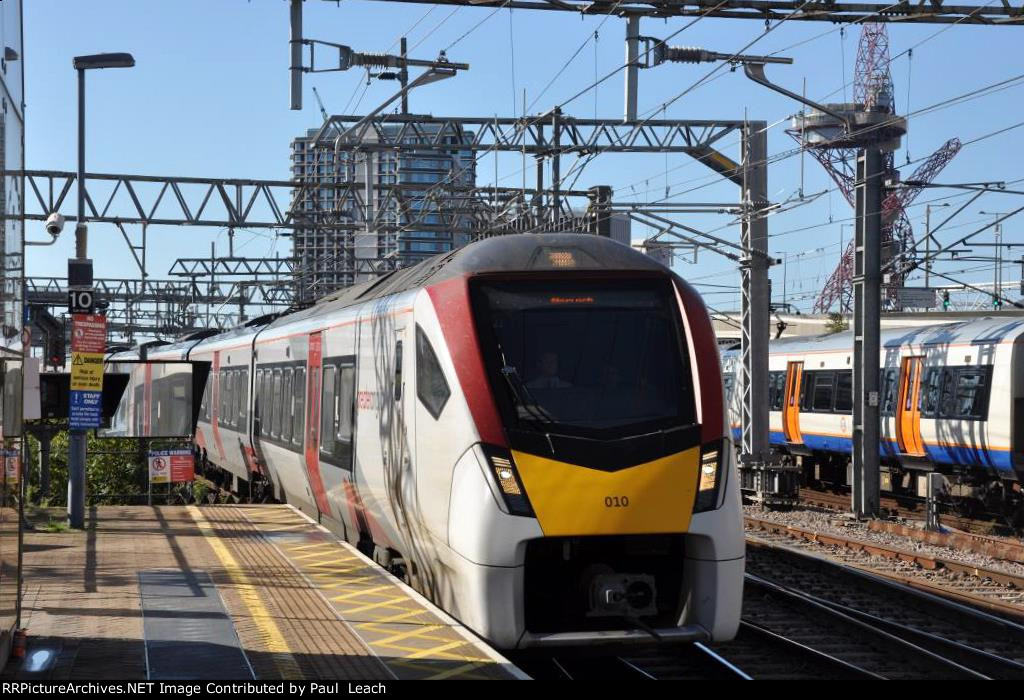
(616, 501)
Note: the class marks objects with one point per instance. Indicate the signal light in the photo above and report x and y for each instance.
(945, 301)
(997, 303)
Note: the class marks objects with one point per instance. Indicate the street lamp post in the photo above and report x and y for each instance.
(80, 274)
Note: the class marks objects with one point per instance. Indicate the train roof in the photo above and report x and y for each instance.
(991, 329)
(506, 253)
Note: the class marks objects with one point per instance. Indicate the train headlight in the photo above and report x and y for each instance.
(503, 470)
(709, 476)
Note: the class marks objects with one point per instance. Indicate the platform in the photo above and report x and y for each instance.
(228, 592)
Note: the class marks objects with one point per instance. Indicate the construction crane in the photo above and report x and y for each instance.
(873, 90)
(323, 112)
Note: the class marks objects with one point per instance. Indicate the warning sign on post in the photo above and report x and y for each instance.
(171, 466)
(88, 343)
(88, 333)
(12, 465)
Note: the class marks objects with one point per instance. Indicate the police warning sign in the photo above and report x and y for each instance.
(171, 466)
(12, 465)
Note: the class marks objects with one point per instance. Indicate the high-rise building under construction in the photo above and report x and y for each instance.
(376, 208)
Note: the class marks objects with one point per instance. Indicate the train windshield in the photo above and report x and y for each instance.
(586, 357)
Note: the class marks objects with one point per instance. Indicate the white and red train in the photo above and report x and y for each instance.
(531, 429)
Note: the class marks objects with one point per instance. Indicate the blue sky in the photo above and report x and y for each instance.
(209, 97)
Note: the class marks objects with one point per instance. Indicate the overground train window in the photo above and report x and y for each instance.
(887, 382)
(823, 391)
(844, 391)
(776, 390)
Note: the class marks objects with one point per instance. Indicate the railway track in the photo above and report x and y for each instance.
(988, 589)
(909, 509)
(791, 591)
(807, 617)
(679, 662)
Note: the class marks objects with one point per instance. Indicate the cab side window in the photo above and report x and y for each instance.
(431, 386)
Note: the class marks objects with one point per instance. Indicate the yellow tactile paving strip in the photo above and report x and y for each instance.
(270, 633)
(412, 640)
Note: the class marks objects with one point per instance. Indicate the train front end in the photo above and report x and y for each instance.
(601, 497)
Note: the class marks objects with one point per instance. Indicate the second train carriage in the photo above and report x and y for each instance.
(530, 428)
(952, 400)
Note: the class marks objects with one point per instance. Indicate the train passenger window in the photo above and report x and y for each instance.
(276, 407)
(346, 402)
(222, 387)
(947, 404)
(243, 396)
(328, 410)
(823, 391)
(268, 404)
(345, 422)
(232, 417)
(236, 387)
(776, 390)
(972, 392)
(431, 387)
(260, 401)
(287, 405)
(887, 382)
(930, 386)
(844, 391)
(398, 370)
(298, 405)
(204, 407)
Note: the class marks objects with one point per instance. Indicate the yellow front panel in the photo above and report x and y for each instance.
(653, 497)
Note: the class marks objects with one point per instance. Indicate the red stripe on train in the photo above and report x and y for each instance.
(709, 369)
(451, 302)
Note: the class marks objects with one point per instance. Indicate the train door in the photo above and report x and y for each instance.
(215, 405)
(403, 439)
(311, 448)
(405, 414)
(908, 408)
(791, 407)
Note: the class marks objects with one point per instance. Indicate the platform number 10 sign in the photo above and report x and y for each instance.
(80, 301)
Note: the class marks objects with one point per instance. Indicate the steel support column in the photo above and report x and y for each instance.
(867, 283)
(295, 44)
(754, 291)
(632, 66)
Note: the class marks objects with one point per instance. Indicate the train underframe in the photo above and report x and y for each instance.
(256, 489)
(968, 491)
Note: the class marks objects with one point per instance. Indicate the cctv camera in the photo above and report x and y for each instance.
(54, 224)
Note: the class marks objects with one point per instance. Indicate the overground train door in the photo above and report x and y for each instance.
(791, 407)
(908, 408)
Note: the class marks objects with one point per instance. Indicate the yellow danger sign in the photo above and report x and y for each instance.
(86, 371)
